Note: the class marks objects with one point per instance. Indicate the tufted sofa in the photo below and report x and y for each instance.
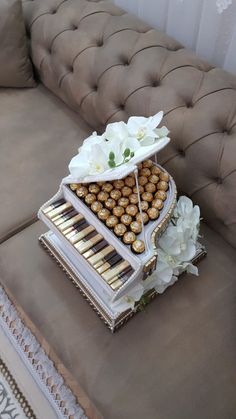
(96, 64)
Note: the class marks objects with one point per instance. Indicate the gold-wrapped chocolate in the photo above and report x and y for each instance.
(150, 187)
(118, 211)
(153, 179)
(161, 195)
(110, 203)
(155, 170)
(138, 246)
(140, 166)
(142, 180)
(162, 185)
(107, 187)
(74, 186)
(129, 237)
(111, 221)
(147, 196)
(131, 210)
(126, 219)
(140, 189)
(118, 184)
(82, 191)
(145, 217)
(94, 188)
(123, 202)
(103, 214)
(90, 198)
(148, 163)
(126, 191)
(96, 206)
(153, 213)
(136, 227)
(164, 176)
(115, 194)
(120, 229)
(102, 196)
(133, 198)
(157, 203)
(144, 205)
(145, 172)
(129, 181)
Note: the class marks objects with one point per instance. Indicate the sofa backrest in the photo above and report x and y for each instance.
(108, 65)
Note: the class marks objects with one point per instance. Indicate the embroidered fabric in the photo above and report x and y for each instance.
(35, 358)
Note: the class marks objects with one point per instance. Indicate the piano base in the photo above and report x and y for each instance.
(112, 319)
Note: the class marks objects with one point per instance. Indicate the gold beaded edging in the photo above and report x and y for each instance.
(28, 411)
(124, 317)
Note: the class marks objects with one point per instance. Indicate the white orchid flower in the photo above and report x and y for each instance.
(98, 159)
(93, 139)
(79, 165)
(118, 140)
(145, 129)
(178, 243)
(188, 216)
(129, 300)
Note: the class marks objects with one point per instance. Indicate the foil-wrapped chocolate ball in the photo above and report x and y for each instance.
(120, 229)
(111, 221)
(147, 163)
(123, 202)
(155, 170)
(138, 246)
(90, 198)
(74, 186)
(129, 237)
(142, 180)
(157, 203)
(162, 185)
(129, 181)
(136, 227)
(110, 203)
(144, 205)
(82, 191)
(150, 187)
(164, 176)
(96, 206)
(153, 213)
(161, 195)
(100, 184)
(133, 198)
(94, 188)
(126, 219)
(147, 196)
(153, 179)
(132, 210)
(145, 172)
(115, 194)
(140, 166)
(126, 191)
(102, 196)
(118, 211)
(144, 216)
(118, 184)
(103, 214)
(107, 187)
(140, 189)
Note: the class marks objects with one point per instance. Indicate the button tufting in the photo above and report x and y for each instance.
(95, 87)
(70, 69)
(53, 12)
(155, 83)
(218, 180)
(182, 153)
(226, 131)
(74, 27)
(122, 106)
(100, 43)
(189, 105)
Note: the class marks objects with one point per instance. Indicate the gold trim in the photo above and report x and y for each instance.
(20, 398)
(124, 317)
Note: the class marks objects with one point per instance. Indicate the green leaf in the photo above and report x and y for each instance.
(111, 156)
(132, 154)
(111, 163)
(126, 152)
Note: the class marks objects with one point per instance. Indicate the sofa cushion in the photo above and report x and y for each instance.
(39, 134)
(108, 65)
(15, 69)
(175, 360)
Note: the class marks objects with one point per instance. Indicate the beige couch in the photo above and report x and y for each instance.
(97, 64)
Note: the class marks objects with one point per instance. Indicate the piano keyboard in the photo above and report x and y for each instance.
(100, 255)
